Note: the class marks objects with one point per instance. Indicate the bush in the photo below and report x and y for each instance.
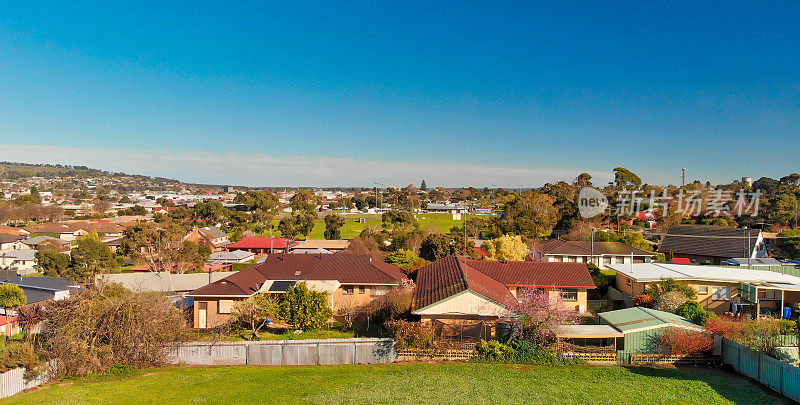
(693, 311)
(304, 308)
(492, 349)
(412, 335)
(643, 300)
(520, 351)
(687, 341)
(670, 301)
(724, 326)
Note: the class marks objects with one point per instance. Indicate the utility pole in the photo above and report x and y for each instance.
(683, 177)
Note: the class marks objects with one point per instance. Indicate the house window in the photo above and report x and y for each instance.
(361, 289)
(721, 293)
(569, 294)
(378, 291)
(702, 290)
(347, 289)
(620, 259)
(225, 306)
(627, 281)
(606, 260)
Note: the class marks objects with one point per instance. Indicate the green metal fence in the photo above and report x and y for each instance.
(778, 375)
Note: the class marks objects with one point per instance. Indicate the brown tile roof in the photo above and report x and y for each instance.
(347, 269)
(8, 238)
(451, 275)
(584, 248)
(707, 240)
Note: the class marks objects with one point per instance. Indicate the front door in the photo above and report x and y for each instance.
(202, 315)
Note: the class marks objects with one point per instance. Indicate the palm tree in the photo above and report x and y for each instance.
(29, 316)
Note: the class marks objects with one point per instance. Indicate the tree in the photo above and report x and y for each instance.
(423, 186)
(656, 290)
(626, 178)
(304, 308)
(506, 247)
(394, 218)
(693, 311)
(52, 263)
(436, 246)
(11, 296)
(255, 312)
(540, 315)
(402, 258)
(532, 215)
(287, 228)
(583, 180)
(333, 226)
(303, 201)
(91, 256)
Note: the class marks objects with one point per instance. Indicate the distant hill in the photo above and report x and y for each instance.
(19, 171)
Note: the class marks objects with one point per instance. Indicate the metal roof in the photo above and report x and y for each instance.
(638, 318)
(588, 332)
(645, 272)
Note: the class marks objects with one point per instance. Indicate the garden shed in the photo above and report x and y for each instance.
(642, 327)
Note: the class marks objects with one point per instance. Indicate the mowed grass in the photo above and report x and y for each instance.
(454, 383)
(439, 222)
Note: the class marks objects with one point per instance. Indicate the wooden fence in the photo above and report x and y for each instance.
(775, 374)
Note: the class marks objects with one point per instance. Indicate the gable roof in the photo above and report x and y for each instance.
(707, 240)
(232, 255)
(346, 269)
(633, 319)
(451, 275)
(536, 274)
(40, 288)
(584, 248)
(212, 232)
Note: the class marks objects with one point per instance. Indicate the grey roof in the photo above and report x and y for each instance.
(764, 261)
(20, 254)
(40, 288)
(212, 232)
(41, 238)
(162, 281)
(707, 240)
(235, 255)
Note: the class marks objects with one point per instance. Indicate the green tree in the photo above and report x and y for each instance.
(531, 214)
(52, 263)
(423, 186)
(394, 218)
(11, 296)
(303, 201)
(436, 246)
(304, 308)
(667, 285)
(693, 311)
(626, 178)
(90, 257)
(402, 258)
(287, 228)
(255, 312)
(333, 226)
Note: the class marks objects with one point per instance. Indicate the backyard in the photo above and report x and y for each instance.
(455, 383)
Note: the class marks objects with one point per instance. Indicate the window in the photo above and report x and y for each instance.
(620, 259)
(347, 289)
(721, 293)
(225, 306)
(702, 290)
(627, 281)
(361, 289)
(606, 260)
(378, 291)
(569, 294)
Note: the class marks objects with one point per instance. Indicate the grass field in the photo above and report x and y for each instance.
(410, 383)
(440, 222)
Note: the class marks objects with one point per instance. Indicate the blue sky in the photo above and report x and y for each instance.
(521, 93)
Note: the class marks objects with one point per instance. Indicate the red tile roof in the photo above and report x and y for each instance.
(4, 320)
(492, 279)
(347, 269)
(259, 242)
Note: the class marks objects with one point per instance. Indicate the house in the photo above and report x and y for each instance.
(706, 244)
(331, 245)
(642, 327)
(602, 254)
(58, 230)
(446, 208)
(465, 296)
(21, 260)
(717, 287)
(260, 244)
(13, 230)
(350, 280)
(41, 289)
(9, 325)
(11, 241)
(38, 242)
(236, 256)
(209, 236)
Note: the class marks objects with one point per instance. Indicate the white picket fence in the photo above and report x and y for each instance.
(13, 382)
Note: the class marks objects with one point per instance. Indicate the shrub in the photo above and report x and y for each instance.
(760, 334)
(412, 335)
(670, 301)
(304, 308)
(521, 351)
(687, 341)
(693, 311)
(724, 326)
(643, 300)
(491, 349)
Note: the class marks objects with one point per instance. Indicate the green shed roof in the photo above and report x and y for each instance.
(638, 318)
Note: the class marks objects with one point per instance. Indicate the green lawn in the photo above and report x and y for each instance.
(454, 383)
(441, 222)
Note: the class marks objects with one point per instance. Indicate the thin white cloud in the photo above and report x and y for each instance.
(256, 169)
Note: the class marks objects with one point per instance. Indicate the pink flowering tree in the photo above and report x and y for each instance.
(540, 315)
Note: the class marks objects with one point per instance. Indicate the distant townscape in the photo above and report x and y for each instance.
(140, 272)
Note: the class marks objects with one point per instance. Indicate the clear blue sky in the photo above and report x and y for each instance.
(653, 86)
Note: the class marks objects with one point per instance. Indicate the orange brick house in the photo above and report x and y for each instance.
(465, 296)
(348, 280)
